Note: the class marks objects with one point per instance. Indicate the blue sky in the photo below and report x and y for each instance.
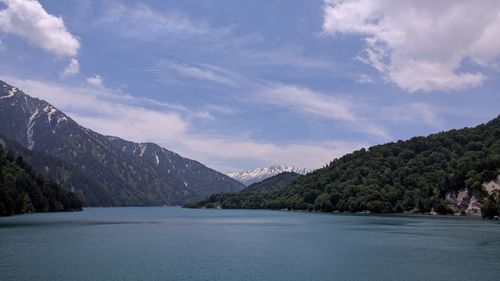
(246, 84)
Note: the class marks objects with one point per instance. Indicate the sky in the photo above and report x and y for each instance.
(243, 84)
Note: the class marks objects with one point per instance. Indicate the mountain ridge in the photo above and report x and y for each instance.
(275, 182)
(259, 174)
(24, 192)
(443, 173)
(117, 176)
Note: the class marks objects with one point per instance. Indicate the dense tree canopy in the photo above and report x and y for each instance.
(21, 191)
(277, 181)
(412, 175)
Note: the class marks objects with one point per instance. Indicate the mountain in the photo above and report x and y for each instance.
(259, 174)
(23, 192)
(109, 171)
(449, 172)
(275, 182)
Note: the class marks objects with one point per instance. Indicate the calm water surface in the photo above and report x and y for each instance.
(184, 244)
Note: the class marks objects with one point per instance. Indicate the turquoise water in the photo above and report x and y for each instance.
(184, 244)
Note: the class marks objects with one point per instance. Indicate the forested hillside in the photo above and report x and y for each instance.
(274, 182)
(412, 175)
(22, 192)
(109, 171)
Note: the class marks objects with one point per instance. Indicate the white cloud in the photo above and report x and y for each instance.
(220, 108)
(365, 79)
(168, 71)
(421, 45)
(30, 21)
(291, 97)
(307, 101)
(95, 81)
(426, 113)
(73, 68)
(318, 104)
(261, 154)
(416, 112)
(106, 112)
(139, 21)
(173, 30)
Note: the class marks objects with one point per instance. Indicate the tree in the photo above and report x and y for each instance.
(489, 207)
(322, 203)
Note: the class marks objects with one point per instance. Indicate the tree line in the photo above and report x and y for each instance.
(404, 176)
(22, 191)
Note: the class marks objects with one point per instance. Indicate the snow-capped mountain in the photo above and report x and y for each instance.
(259, 174)
(109, 171)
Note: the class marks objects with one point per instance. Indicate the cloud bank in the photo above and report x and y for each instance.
(141, 120)
(421, 45)
(30, 21)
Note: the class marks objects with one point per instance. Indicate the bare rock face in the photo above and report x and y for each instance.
(492, 186)
(467, 202)
(464, 202)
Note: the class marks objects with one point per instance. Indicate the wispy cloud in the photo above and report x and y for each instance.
(95, 81)
(327, 106)
(365, 79)
(232, 63)
(415, 112)
(294, 98)
(257, 154)
(73, 68)
(174, 30)
(139, 21)
(111, 113)
(309, 102)
(168, 71)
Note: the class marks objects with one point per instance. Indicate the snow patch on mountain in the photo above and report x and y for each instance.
(8, 91)
(29, 129)
(259, 174)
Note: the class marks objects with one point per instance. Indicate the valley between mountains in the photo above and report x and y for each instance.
(454, 172)
(104, 170)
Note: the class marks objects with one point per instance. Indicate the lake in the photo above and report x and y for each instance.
(196, 244)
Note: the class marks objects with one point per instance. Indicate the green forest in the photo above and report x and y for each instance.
(275, 182)
(403, 176)
(21, 191)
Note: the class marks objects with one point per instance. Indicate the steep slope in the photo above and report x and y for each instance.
(275, 182)
(115, 172)
(57, 171)
(23, 192)
(170, 166)
(415, 175)
(260, 174)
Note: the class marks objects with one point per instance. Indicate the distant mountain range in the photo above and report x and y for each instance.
(259, 174)
(107, 170)
(275, 182)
